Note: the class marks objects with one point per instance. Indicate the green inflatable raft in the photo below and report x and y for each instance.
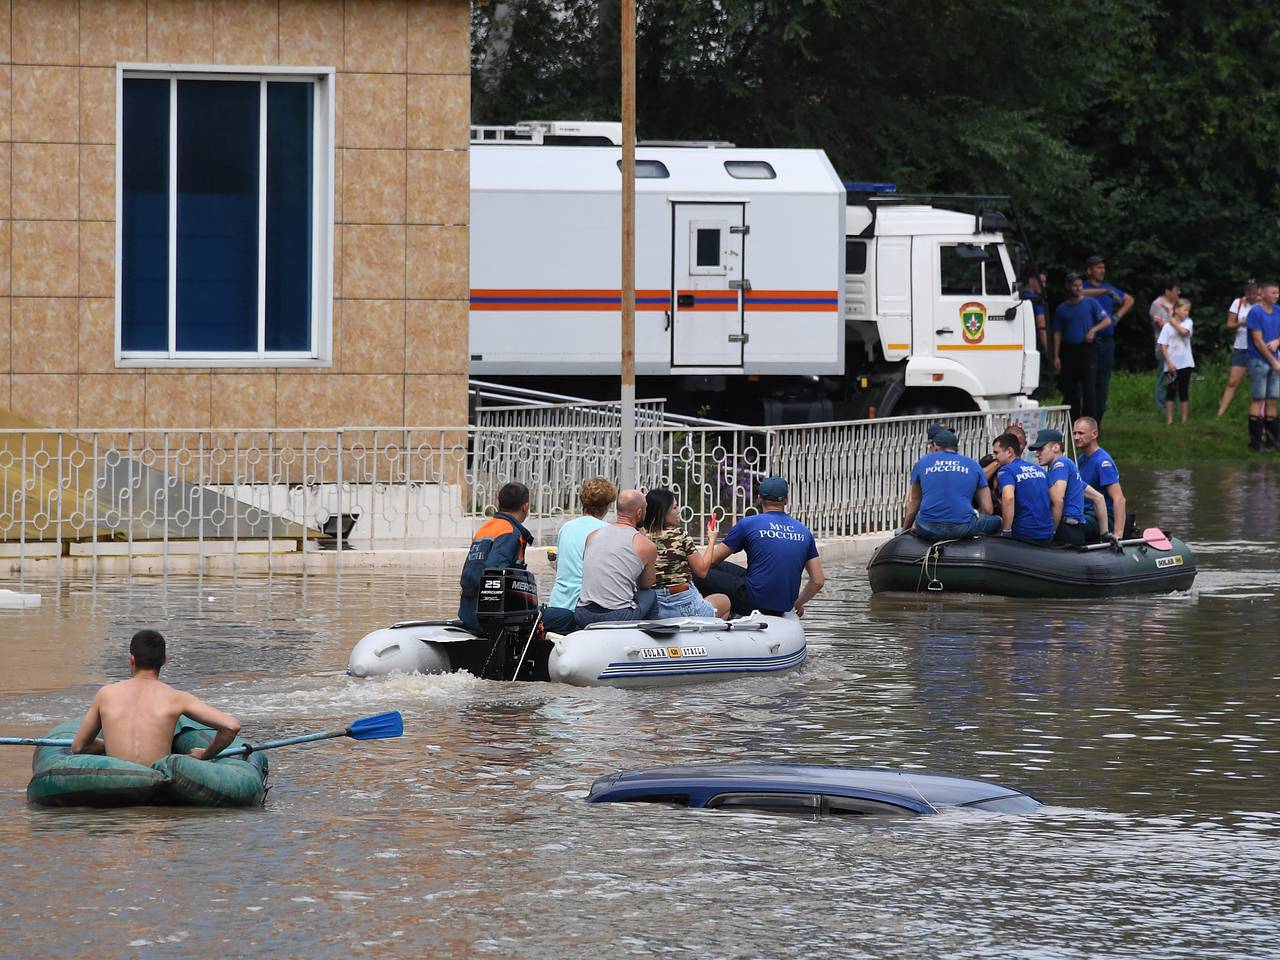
(61, 778)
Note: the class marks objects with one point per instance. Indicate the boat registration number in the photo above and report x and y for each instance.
(1169, 561)
(673, 653)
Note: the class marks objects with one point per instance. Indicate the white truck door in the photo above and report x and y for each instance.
(893, 296)
(706, 284)
(973, 295)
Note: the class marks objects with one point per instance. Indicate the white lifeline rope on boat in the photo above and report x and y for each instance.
(934, 550)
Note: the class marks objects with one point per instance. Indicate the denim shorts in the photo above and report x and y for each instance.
(1264, 381)
(1240, 357)
(686, 603)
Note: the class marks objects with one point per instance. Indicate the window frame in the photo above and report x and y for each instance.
(720, 268)
(322, 217)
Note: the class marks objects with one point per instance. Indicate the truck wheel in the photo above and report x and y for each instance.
(920, 408)
(923, 403)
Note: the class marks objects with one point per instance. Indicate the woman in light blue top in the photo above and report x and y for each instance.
(596, 495)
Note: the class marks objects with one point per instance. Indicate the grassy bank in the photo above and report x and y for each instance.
(1135, 433)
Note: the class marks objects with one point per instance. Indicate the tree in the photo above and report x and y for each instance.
(1133, 128)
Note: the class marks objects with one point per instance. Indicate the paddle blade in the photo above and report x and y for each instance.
(1155, 537)
(378, 727)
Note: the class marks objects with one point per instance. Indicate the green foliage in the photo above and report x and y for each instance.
(1138, 129)
(1133, 432)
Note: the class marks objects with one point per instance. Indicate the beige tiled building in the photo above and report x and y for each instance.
(288, 246)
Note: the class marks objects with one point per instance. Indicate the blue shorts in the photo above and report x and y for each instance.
(686, 603)
(1239, 358)
(1264, 381)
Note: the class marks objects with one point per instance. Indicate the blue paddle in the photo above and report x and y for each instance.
(378, 727)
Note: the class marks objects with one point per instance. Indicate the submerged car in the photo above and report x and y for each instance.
(807, 789)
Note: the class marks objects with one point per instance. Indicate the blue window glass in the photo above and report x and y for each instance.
(144, 235)
(289, 174)
(217, 231)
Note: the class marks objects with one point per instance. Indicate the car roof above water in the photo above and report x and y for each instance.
(757, 784)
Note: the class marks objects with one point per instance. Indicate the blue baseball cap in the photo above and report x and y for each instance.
(943, 436)
(1045, 436)
(773, 488)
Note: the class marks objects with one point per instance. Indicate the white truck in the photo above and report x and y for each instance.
(767, 289)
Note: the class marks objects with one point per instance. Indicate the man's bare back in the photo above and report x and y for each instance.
(137, 716)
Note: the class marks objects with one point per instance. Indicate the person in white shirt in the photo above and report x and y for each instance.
(1175, 348)
(1237, 318)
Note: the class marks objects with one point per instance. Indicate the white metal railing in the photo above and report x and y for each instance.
(93, 490)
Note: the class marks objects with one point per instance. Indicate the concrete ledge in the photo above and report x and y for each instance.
(283, 556)
(181, 548)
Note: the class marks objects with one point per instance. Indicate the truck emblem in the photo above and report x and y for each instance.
(973, 321)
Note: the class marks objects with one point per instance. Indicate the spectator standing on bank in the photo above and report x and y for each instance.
(1175, 347)
(1117, 304)
(1160, 312)
(1076, 324)
(1264, 367)
(1032, 290)
(1237, 317)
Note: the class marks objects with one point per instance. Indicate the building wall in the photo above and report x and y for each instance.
(400, 209)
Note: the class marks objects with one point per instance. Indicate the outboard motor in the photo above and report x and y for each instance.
(510, 620)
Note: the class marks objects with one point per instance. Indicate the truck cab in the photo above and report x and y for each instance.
(933, 316)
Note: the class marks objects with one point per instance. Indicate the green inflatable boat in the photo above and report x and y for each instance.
(61, 778)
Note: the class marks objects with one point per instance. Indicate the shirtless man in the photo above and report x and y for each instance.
(136, 716)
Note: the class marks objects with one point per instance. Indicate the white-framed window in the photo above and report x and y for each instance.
(224, 216)
(706, 247)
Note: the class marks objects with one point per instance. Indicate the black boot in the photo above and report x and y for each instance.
(1256, 433)
(1271, 432)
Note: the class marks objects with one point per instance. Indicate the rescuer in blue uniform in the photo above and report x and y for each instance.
(1025, 509)
(946, 487)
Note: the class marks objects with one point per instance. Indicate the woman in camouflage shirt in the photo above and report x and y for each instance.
(679, 561)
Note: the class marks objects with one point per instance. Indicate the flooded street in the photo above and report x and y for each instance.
(1149, 726)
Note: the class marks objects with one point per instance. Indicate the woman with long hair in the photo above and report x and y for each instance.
(679, 561)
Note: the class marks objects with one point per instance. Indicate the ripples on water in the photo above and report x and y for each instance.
(1147, 725)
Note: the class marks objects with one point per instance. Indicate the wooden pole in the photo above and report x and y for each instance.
(628, 464)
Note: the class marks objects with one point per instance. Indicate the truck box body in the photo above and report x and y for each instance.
(759, 279)
(546, 270)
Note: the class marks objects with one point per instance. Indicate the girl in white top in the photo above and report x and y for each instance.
(1175, 347)
(1237, 314)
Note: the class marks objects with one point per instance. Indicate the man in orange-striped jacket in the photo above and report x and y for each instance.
(500, 542)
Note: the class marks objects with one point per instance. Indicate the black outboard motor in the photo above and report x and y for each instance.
(511, 622)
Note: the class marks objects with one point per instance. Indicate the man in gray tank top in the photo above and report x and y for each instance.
(618, 568)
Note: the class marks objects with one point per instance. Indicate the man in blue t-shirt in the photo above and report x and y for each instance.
(945, 487)
(1067, 492)
(1116, 303)
(1263, 362)
(1099, 471)
(779, 548)
(1025, 510)
(1033, 290)
(1076, 325)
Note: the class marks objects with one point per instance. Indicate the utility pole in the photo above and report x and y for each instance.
(628, 453)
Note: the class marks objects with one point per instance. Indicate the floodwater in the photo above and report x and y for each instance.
(1148, 726)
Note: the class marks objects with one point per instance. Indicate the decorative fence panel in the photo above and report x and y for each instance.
(411, 487)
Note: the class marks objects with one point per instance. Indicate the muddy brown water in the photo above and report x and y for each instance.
(1148, 726)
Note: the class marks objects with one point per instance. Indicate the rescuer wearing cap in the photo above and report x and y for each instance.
(946, 486)
(1076, 324)
(1116, 303)
(779, 548)
(1067, 492)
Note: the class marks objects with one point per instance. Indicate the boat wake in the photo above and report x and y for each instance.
(337, 694)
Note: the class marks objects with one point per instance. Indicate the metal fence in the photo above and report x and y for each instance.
(90, 491)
